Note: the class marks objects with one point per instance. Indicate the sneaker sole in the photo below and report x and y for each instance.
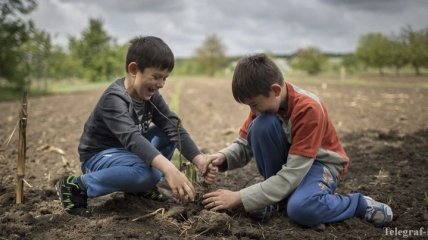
(59, 193)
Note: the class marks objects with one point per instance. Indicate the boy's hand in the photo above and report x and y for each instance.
(221, 199)
(217, 159)
(180, 186)
(206, 168)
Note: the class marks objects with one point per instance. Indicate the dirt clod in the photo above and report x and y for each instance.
(208, 222)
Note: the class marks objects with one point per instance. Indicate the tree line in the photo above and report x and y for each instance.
(28, 54)
(409, 47)
(374, 50)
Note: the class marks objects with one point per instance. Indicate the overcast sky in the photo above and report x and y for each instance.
(245, 27)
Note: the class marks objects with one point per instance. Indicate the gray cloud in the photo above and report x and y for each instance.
(245, 27)
(376, 6)
(134, 6)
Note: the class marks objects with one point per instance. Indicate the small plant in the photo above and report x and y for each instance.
(190, 172)
(426, 197)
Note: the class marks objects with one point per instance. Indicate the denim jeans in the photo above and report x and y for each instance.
(314, 200)
(117, 169)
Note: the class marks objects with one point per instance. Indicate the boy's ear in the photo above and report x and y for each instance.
(276, 88)
(132, 68)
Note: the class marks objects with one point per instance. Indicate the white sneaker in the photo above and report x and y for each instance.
(377, 213)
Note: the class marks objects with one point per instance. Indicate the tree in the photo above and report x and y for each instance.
(211, 54)
(351, 63)
(61, 65)
(373, 50)
(310, 60)
(95, 51)
(14, 32)
(397, 51)
(38, 50)
(417, 47)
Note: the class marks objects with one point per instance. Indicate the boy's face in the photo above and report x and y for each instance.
(149, 81)
(263, 104)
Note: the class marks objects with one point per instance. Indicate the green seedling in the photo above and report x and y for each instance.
(191, 172)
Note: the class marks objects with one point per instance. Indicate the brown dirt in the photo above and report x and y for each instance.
(383, 129)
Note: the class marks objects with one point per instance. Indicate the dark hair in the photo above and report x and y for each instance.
(149, 52)
(253, 76)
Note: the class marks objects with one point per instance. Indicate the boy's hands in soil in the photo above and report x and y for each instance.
(206, 168)
(180, 186)
(221, 199)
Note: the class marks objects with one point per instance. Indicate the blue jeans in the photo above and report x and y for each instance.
(313, 202)
(117, 169)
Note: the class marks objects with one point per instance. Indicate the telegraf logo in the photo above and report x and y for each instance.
(405, 233)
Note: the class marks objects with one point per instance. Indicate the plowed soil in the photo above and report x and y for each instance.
(382, 124)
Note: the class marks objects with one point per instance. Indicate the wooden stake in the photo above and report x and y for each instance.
(22, 145)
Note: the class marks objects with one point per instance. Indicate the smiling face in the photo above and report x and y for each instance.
(143, 85)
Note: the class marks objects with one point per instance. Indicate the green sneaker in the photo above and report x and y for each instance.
(72, 197)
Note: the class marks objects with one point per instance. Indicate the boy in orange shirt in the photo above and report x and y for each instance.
(296, 148)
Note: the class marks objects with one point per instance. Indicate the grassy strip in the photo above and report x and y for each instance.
(72, 85)
(11, 94)
(175, 97)
(177, 159)
(174, 105)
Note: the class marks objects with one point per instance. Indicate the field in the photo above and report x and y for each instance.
(382, 123)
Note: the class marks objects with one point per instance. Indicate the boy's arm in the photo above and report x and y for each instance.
(277, 187)
(237, 154)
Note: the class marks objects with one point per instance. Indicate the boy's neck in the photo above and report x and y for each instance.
(126, 82)
(129, 89)
(283, 105)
